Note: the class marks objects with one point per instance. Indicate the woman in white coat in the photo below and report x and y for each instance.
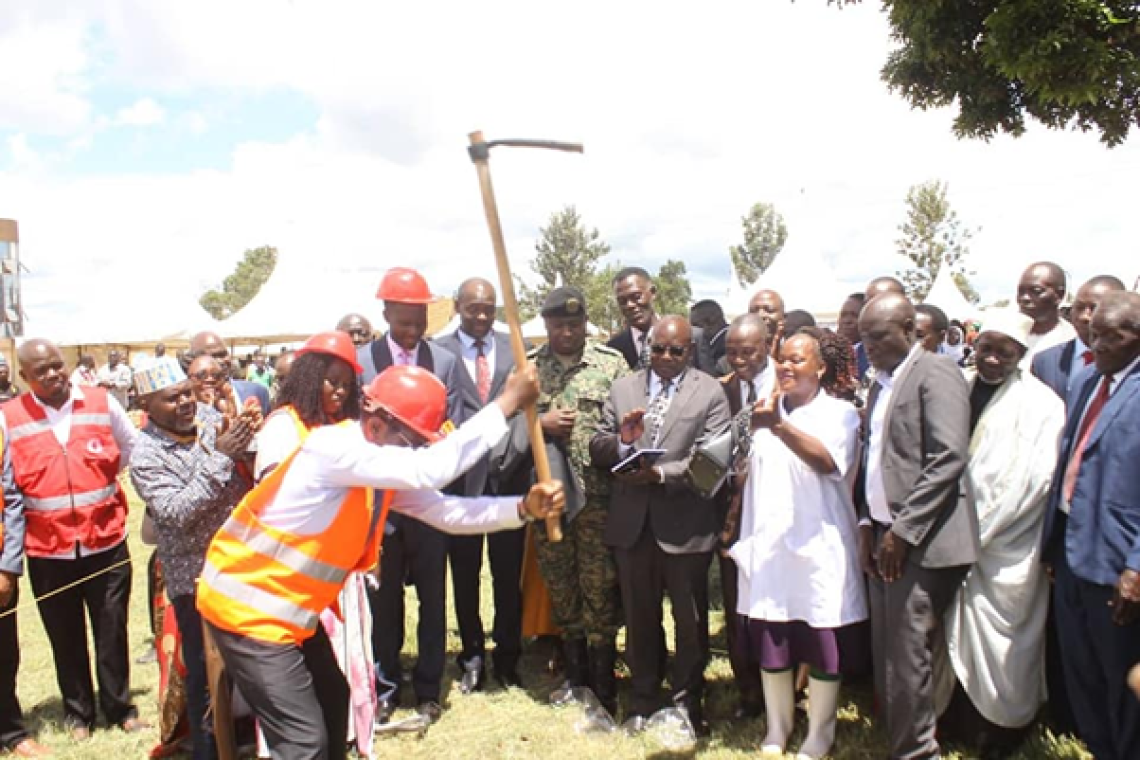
(800, 584)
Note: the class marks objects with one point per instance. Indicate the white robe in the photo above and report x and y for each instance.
(995, 627)
(797, 556)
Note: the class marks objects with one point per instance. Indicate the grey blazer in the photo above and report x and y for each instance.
(681, 521)
(924, 463)
(469, 404)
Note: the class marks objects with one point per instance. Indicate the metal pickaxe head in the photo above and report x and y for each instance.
(480, 149)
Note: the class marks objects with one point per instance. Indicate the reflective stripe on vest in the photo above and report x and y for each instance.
(32, 427)
(259, 541)
(85, 499)
(87, 418)
(258, 599)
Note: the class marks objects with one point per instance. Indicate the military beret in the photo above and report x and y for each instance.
(566, 301)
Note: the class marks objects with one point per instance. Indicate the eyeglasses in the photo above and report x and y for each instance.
(203, 375)
(408, 438)
(675, 351)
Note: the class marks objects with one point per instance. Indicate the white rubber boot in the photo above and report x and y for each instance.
(823, 700)
(780, 708)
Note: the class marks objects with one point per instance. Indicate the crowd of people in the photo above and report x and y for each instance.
(943, 505)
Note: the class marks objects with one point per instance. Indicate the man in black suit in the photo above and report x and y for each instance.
(662, 532)
(708, 316)
(635, 292)
(1057, 366)
(484, 362)
(412, 550)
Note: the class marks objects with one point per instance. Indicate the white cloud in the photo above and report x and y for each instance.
(688, 118)
(43, 73)
(144, 112)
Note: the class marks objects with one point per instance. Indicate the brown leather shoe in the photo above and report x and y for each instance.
(134, 725)
(30, 748)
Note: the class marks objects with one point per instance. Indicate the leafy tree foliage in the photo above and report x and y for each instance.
(1066, 63)
(674, 294)
(239, 288)
(933, 237)
(566, 252)
(764, 236)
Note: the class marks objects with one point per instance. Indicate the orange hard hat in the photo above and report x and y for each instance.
(403, 285)
(413, 396)
(334, 343)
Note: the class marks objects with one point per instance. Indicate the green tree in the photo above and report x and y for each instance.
(239, 288)
(604, 313)
(674, 294)
(933, 237)
(764, 236)
(566, 252)
(1066, 63)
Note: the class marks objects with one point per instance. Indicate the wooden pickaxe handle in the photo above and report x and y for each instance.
(479, 152)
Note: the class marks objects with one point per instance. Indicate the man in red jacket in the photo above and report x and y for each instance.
(67, 446)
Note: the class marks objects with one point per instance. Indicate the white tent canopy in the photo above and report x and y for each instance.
(801, 277)
(946, 295)
(150, 316)
(302, 298)
(535, 329)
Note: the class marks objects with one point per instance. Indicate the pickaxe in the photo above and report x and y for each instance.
(480, 152)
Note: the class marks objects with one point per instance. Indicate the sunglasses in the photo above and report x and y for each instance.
(675, 351)
(203, 375)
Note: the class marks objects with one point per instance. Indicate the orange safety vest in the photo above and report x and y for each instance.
(71, 493)
(272, 586)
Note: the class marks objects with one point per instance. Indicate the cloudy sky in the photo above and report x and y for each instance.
(147, 144)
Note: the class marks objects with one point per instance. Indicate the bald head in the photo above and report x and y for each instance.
(1116, 331)
(475, 305)
(42, 368)
(1087, 299)
(1040, 292)
(886, 326)
(358, 328)
(881, 286)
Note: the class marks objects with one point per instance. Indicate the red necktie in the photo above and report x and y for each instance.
(1088, 356)
(1069, 484)
(482, 372)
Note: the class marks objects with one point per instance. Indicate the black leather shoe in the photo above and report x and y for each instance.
(384, 710)
(508, 678)
(430, 709)
(700, 725)
(474, 677)
(634, 725)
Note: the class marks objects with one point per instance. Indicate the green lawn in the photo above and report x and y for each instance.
(515, 724)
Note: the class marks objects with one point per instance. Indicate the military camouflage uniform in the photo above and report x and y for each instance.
(579, 571)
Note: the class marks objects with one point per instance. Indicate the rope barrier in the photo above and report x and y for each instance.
(37, 599)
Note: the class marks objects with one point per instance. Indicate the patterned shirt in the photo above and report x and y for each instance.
(190, 489)
(584, 386)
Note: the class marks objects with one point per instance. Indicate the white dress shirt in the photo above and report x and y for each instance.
(400, 357)
(1062, 332)
(335, 458)
(471, 353)
(762, 384)
(875, 487)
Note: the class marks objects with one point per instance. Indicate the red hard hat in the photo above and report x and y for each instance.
(414, 396)
(334, 343)
(403, 285)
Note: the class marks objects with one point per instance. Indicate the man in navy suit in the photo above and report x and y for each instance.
(211, 344)
(412, 550)
(1092, 535)
(1059, 366)
(485, 361)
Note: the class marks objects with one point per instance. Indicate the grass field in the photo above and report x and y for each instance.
(497, 724)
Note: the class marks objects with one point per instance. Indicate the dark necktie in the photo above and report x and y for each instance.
(482, 372)
(1073, 469)
(643, 352)
(751, 393)
(656, 411)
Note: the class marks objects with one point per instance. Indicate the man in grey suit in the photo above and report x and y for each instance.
(662, 532)
(485, 361)
(413, 550)
(918, 533)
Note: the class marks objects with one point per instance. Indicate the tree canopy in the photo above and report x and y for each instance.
(764, 236)
(1066, 63)
(242, 285)
(933, 237)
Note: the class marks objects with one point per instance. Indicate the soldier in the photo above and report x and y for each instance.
(575, 375)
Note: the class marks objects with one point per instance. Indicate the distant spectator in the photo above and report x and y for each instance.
(84, 374)
(708, 316)
(116, 378)
(358, 328)
(797, 319)
(259, 371)
(7, 388)
(930, 327)
(159, 350)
